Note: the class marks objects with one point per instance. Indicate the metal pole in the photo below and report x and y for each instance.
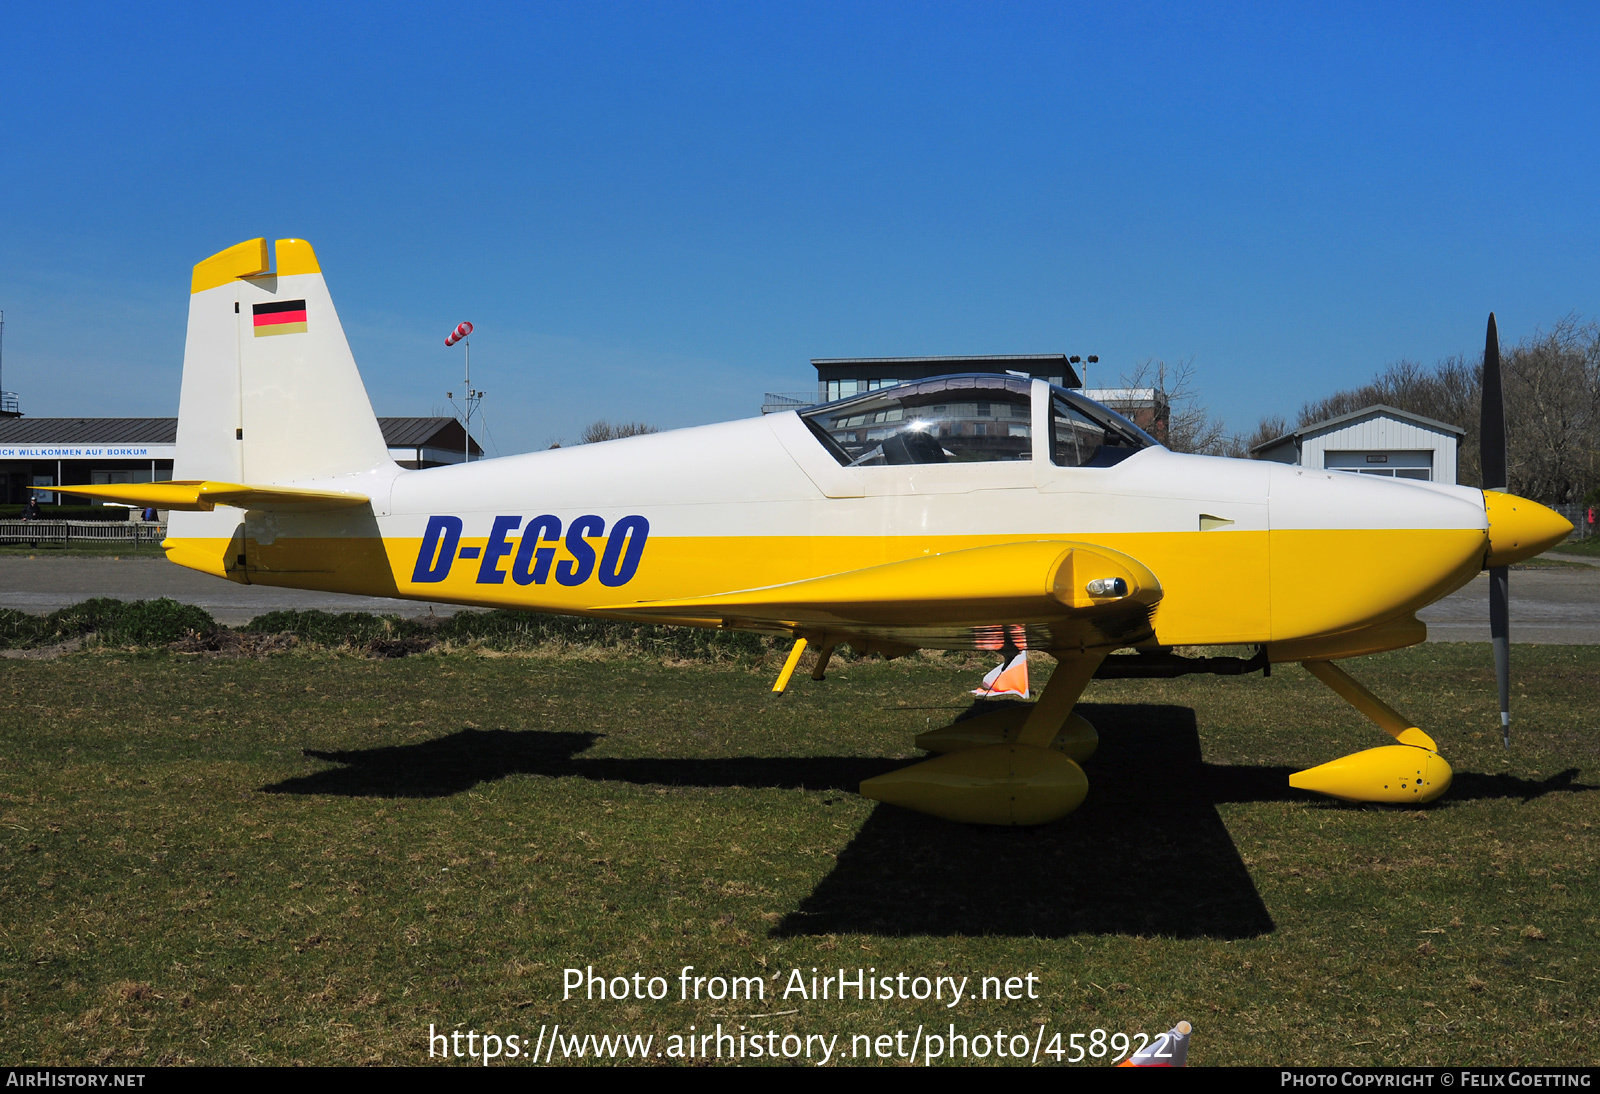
(466, 447)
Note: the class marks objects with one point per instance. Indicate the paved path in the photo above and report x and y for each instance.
(43, 585)
(1573, 558)
(1548, 606)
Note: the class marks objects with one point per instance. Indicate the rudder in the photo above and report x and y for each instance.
(271, 393)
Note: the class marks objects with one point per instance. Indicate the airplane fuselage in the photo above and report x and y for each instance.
(1246, 551)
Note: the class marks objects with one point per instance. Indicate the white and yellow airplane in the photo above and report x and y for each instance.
(885, 521)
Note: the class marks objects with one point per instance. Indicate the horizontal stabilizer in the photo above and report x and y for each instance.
(1038, 581)
(203, 496)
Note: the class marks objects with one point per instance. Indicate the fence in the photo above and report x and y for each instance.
(60, 533)
(1578, 514)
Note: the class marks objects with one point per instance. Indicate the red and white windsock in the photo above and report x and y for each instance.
(1170, 1049)
(1011, 678)
(462, 330)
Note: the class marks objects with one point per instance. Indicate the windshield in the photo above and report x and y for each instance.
(1085, 434)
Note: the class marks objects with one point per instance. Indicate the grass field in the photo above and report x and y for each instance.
(1587, 547)
(312, 856)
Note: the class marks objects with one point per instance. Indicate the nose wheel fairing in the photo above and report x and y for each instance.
(1392, 775)
(1409, 772)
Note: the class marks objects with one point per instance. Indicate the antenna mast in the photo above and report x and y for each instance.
(9, 407)
(470, 398)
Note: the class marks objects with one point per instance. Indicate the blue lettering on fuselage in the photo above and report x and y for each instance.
(438, 551)
(533, 553)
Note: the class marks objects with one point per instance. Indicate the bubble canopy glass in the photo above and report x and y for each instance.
(975, 418)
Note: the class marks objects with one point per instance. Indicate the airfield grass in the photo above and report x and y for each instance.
(314, 856)
(1589, 547)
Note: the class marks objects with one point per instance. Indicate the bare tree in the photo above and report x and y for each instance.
(1190, 426)
(1552, 393)
(610, 431)
(1552, 387)
(1269, 428)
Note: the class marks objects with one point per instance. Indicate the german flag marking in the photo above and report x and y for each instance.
(280, 317)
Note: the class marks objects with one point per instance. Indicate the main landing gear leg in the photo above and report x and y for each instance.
(1408, 773)
(1049, 723)
(1009, 771)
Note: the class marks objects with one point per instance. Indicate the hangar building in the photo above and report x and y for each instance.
(40, 453)
(1376, 440)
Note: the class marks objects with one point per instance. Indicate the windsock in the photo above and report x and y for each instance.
(462, 330)
(1010, 678)
(1171, 1049)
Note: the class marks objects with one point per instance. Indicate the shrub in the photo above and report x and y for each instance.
(331, 628)
(161, 622)
(140, 623)
(511, 631)
(19, 630)
(119, 623)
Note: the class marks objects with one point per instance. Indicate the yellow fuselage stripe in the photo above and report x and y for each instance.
(1220, 587)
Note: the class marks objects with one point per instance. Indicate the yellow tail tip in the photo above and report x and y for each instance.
(241, 260)
(250, 259)
(295, 256)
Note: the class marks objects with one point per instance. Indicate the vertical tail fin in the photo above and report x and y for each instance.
(271, 393)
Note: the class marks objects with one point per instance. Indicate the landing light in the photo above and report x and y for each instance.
(1108, 586)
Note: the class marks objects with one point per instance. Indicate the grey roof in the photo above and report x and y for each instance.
(411, 432)
(1378, 408)
(397, 432)
(918, 368)
(88, 430)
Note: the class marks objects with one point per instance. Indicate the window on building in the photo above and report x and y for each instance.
(1393, 464)
(844, 389)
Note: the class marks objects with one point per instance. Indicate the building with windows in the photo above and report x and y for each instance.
(1146, 407)
(843, 377)
(1376, 440)
(39, 454)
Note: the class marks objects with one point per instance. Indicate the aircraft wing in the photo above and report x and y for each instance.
(203, 496)
(1065, 594)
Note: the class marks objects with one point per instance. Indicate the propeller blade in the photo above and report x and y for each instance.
(1500, 633)
(1492, 415)
(1492, 450)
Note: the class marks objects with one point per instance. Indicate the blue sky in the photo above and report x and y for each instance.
(660, 211)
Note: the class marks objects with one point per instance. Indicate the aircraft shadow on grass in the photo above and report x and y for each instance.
(1146, 854)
